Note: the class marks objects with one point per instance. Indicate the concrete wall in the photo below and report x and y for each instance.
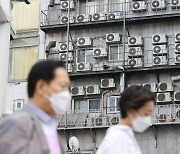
(4, 52)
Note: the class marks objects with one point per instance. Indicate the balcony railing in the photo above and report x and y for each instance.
(56, 16)
(163, 114)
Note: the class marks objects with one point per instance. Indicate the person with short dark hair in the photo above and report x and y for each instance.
(136, 106)
(33, 130)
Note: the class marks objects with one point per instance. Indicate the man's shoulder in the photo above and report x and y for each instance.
(21, 119)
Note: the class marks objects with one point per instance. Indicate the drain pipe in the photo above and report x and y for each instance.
(52, 44)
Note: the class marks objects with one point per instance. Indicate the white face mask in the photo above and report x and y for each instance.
(61, 102)
(140, 124)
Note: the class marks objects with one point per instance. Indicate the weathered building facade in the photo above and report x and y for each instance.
(112, 44)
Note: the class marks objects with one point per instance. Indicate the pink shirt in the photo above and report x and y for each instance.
(52, 137)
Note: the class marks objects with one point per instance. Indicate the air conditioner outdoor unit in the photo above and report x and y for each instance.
(107, 83)
(113, 38)
(135, 62)
(177, 96)
(63, 46)
(177, 58)
(77, 91)
(89, 122)
(18, 104)
(160, 60)
(159, 49)
(84, 42)
(64, 19)
(83, 67)
(82, 18)
(135, 51)
(159, 39)
(65, 5)
(177, 37)
(150, 86)
(99, 52)
(139, 6)
(177, 47)
(63, 56)
(115, 15)
(114, 120)
(165, 86)
(163, 97)
(175, 4)
(100, 121)
(98, 17)
(135, 41)
(157, 5)
(92, 89)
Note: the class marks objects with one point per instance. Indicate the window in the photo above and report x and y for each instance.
(53, 56)
(87, 6)
(87, 105)
(115, 52)
(21, 61)
(85, 55)
(113, 104)
(18, 104)
(26, 17)
(115, 6)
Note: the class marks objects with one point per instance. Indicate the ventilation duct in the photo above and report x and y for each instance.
(51, 44)
(51, 3)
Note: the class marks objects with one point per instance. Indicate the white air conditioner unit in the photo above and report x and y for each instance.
(135, 51)
(113, 38)
(163, 97)
(177, 58)
(150, 86)
(177, 47)
(135, 62)
(63, 46)
(139, 6)
(175, 4)
(18, 104)
(159, 49)
(115, 15)
(83, 67)
(160, 60)
(177, 96)
(64, 19)
(84, 42)
(157, 5)
(135, 41)
(89, 122)
(165, 86)
(177, 37)
(159, 39)
(92, 89)
(100, 121)
(107, 83)
(114, 120)
(63, 56)
(99, 52)
(82, 18)
(65, 5)
(98, 17)
(77, 91)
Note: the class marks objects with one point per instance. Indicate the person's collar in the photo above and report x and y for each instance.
(43, 116)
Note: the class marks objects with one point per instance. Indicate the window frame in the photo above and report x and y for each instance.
(108, 105)
(88, 106)
(85, 59)
(115, 45)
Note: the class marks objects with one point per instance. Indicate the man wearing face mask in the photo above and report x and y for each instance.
(33, 130)
(136, 106)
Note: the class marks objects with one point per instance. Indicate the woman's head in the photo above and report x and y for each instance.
(136, 100)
